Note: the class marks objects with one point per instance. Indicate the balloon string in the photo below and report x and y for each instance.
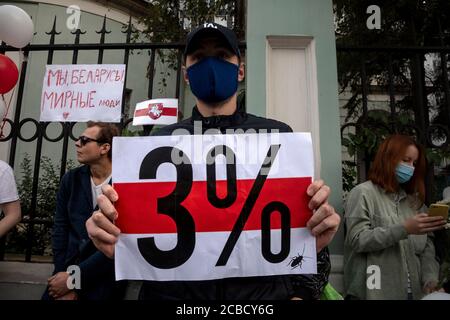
(7, 111)
(4, 119)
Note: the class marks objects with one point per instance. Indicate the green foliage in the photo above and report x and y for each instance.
(363, 144)
(48, 185)
(132, 133)
(348, 175)
(169, 21)
(403, 23)
(363, 141)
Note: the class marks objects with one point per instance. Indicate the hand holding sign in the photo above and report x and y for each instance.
(100, 226)
(325, 221)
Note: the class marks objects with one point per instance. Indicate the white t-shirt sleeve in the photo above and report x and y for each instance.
(8, 188)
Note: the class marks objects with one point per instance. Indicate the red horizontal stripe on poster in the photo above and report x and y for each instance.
(137, 205)
(165, 112)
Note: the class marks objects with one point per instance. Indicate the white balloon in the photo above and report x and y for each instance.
(2, 109)
(16, 27)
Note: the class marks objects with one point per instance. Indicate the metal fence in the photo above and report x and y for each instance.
(16, 125)
(414, 82)
(433, 134)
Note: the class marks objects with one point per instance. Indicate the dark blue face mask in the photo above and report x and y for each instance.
(213, 80)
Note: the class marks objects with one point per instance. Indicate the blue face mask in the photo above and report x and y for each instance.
(213, 80)
(404, 173)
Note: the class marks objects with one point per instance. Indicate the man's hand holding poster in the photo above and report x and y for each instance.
(202, 207)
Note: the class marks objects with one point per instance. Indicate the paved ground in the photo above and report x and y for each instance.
(27, 281)
(23, 281)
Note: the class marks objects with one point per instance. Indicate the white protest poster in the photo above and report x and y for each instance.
(156, 112)
(82, 92)
(203, 207)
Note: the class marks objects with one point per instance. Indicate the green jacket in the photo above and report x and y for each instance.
(375, 236)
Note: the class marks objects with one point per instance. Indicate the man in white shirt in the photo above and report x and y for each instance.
(9, 199)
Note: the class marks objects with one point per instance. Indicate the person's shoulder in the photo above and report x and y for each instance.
(75, 171)
(367, 185)
(364, 192)
(5, 168)
(267, 123)
(365, 188)
(182, 127)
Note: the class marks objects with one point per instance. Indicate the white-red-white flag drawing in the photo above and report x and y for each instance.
(201, 207)
(156, 111)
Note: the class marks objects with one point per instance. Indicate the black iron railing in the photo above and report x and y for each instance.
(40, 135)
(432, 133)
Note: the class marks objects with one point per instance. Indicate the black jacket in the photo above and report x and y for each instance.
(71, 243)
(251, 288)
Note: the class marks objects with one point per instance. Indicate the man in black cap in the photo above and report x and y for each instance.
(213, 69)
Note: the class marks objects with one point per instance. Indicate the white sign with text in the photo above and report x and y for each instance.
(82, 92)
(203, 207)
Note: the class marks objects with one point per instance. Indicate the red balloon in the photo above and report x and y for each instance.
(8, 74)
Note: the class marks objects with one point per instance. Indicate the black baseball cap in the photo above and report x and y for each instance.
(228, 35)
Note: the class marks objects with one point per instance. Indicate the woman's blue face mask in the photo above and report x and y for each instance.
(404, 173)
(213, 80)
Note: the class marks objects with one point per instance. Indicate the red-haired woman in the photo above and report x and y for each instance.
(388, 252)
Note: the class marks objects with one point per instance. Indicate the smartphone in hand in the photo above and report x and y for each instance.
(438, 209)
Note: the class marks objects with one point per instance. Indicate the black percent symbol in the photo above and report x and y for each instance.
(171, 205)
